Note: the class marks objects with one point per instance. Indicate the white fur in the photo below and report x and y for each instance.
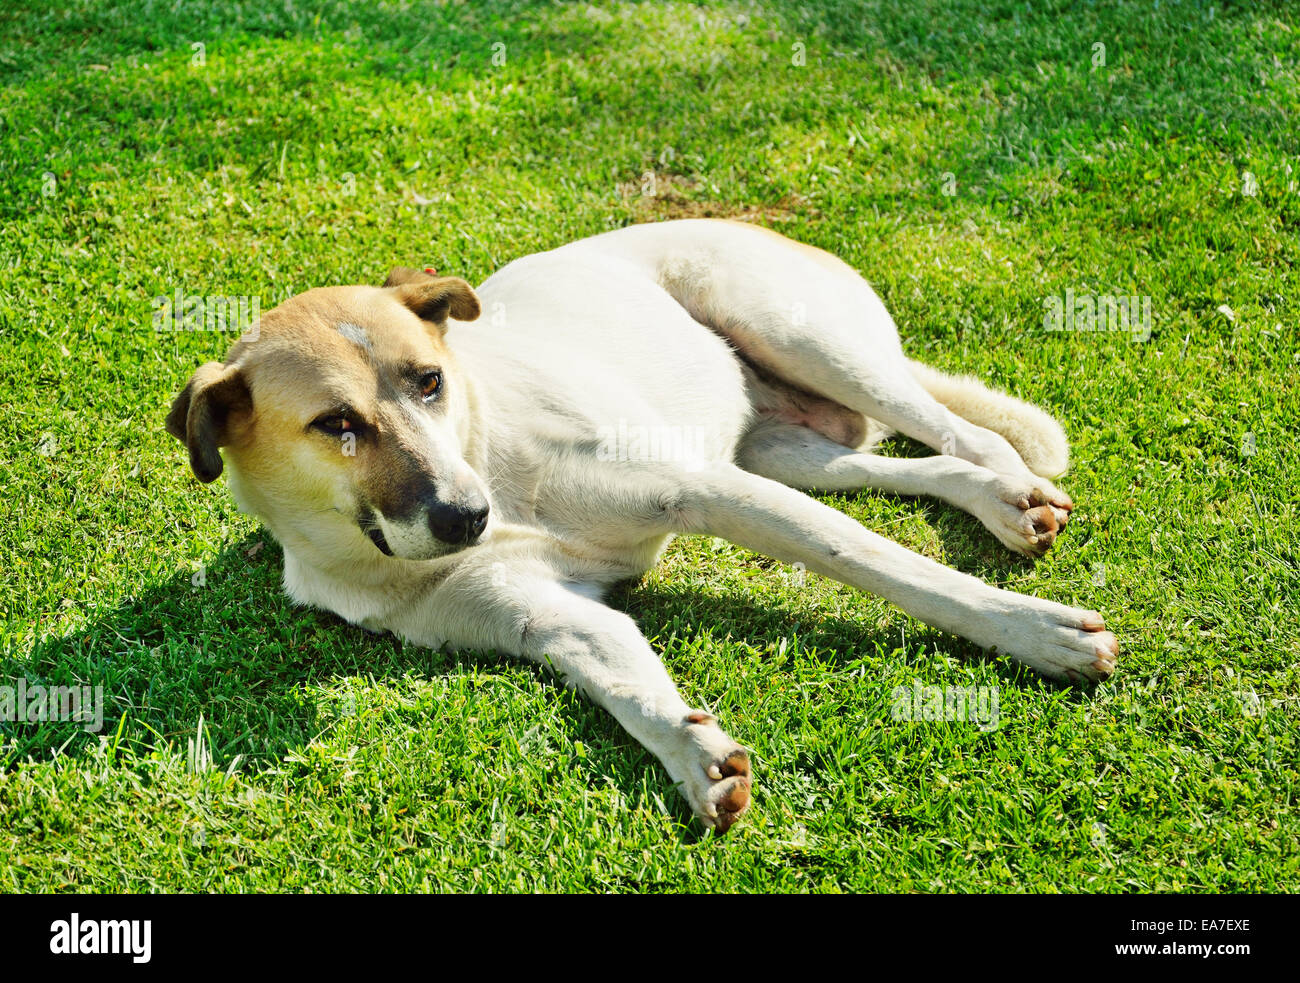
(355, 334)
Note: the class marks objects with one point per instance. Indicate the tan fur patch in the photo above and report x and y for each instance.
(300, 367)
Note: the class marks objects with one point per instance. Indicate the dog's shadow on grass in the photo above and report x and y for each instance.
(220, 643)
(764, 623)
(223, 644)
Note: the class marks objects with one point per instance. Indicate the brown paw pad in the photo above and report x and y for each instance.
(1044, 520)
(1045, 527)
(736, 763)
(734, 802)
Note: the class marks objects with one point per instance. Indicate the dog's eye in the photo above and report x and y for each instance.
(335, 424)
(430, 384)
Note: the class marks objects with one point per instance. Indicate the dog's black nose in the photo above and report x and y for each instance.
(458, 525)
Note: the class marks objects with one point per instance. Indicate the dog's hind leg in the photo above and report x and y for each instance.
(809, 319)
(769, 518)
(1012, 509)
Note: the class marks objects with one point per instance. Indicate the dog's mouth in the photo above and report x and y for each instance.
(376, 535)
(370, 528)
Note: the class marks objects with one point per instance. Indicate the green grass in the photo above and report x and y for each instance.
(250, 745)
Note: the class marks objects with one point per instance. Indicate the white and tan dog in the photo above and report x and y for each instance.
(480, 486)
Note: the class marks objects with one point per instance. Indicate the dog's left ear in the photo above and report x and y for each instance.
(434, 298)
(206, 412)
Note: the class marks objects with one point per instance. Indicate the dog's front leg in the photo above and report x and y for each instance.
(524, 609)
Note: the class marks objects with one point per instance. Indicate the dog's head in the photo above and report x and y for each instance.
(345, 420)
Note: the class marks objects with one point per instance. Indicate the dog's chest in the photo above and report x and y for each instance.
(601, 395)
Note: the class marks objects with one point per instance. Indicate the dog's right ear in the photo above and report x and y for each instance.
(203, 416)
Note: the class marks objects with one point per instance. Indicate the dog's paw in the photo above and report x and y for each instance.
(712, 771)
(1060, 642)
(1025, 513)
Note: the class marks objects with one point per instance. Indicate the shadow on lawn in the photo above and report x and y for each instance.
(232, 649)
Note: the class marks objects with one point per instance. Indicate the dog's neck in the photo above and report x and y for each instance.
(363, 591)
(329, 563)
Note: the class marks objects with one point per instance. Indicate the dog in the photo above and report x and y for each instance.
(481, 485)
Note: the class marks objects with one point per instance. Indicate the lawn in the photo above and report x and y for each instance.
(970, 159)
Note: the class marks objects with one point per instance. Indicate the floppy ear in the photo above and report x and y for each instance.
(435, 297)
(203, 414)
